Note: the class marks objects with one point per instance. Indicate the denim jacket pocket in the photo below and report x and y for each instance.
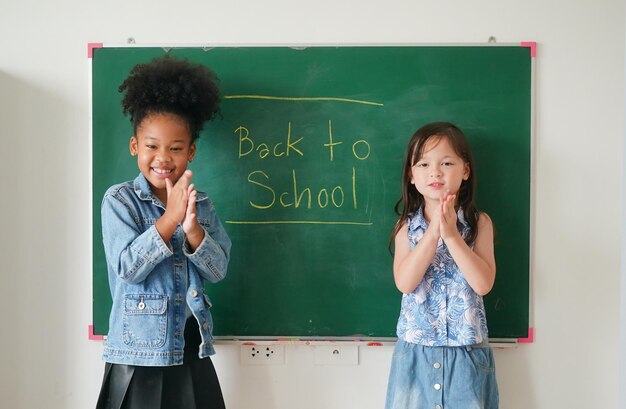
(145, 320)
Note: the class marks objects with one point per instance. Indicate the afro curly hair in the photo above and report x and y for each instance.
(169, 85)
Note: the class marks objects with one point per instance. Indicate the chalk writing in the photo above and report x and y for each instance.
(334, 188)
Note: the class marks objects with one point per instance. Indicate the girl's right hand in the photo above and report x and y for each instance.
(447, 224)
(177, 198)
(434, 227)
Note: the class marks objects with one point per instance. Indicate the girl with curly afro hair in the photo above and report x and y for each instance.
(163, 241)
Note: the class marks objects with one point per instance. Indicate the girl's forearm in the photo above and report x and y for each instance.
(409, 272)
(195, 237)
(166, 227)
(478, 273)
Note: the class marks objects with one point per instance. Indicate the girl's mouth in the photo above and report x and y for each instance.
(163, 173)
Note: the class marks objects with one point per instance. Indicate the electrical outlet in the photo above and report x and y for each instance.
(262, 354)
(336, 355)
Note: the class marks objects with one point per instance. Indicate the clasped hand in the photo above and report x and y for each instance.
(181, 203)
(443, 221)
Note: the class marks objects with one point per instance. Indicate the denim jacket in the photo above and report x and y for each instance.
(152, 282)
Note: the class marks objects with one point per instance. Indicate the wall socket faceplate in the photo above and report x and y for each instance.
(262, 354)
(336, 354)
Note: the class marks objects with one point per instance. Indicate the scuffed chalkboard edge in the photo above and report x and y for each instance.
(300, 340)
(499, 343)
(296, 46)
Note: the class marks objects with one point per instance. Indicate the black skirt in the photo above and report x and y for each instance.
(192, 385)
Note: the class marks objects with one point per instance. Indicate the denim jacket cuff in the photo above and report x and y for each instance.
(209, 258)
(162, 249)
(200, 251)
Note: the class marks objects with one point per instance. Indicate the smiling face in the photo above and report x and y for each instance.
(439, 169)
(163, 146)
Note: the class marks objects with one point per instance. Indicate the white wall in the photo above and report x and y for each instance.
(622, 345)
(46, 359)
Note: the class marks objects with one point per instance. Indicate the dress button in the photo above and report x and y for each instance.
(205, 325)
(194, 293)
(436, 365)
(437, 406)
(437, 386)
(441, 265)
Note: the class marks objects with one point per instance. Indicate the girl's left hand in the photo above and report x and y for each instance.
(447, 225)
(193, 231)
(190, 213)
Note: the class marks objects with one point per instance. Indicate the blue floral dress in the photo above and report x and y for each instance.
(443, 310)
(442, 359)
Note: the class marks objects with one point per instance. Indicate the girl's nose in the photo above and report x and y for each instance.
(163, 156)
(435, 171)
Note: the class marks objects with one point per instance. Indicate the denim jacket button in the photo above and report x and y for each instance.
(194, 293)
(436, 365)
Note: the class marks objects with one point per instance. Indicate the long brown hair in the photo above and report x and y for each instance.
(411, 199)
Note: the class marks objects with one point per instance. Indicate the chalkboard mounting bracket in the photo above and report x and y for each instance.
(91, 47)
(533, 47)
(92, 336)
(530, 338)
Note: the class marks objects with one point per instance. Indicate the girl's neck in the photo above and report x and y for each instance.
(160, 194)
(162, 198)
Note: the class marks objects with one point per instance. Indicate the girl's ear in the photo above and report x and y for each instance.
(410, 175)
(192, 151)
(132, 145)
(466, 171)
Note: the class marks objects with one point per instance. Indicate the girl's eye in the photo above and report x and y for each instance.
(421, 165)
(151, 146)
(177, 149)
(448, 164)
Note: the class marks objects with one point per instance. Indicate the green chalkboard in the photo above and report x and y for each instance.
(304, 170)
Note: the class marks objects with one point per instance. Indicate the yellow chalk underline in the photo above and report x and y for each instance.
(356, 101)
(295, 222)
